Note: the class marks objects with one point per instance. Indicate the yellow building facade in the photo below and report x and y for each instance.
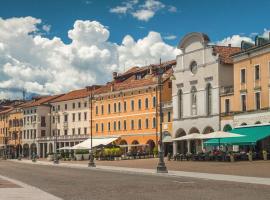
(127, 107)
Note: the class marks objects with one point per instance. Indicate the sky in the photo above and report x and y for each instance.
(54, 46)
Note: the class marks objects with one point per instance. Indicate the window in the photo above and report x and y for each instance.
(53, 119)
(243, 76)
(85, 104)
(193, 101)
(85, 130)
(257, 72)
(180, 104)
(43, 121)
(125, 125)
(119, 107)
(96, 127)
(146, 103)
(227, 105)
(65, 106)
(114, 126)
(102, 109)
(102, 127)
(119, 125)
(132, 105)
(132, 124)
(73, 105)
(125, 106)
(243, 101)
(43, 133)
(154, 122)
(154, 102)
(109, 126)
(53, 108)
(114, 107)
(208, 99)
(79, 131)
(79, 104)
(79, 116)
(193, 67)
(258, 100)
(169, 116)
(96, 110)
(66, 132)
(139, 124)
(58, 119)
(146, 123)
(109, 108)
(73, 117)
(139, 104)
(65, 118)
(73, 131)
(58, 107)
(85, 116)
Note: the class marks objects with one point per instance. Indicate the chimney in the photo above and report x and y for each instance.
(114, 75)
(151, 68)
(112, 87)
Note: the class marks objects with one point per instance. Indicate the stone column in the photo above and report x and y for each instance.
(188, 146)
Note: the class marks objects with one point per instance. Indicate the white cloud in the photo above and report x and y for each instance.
(170, 37)
(142, 12)
(46, 28)
(234, 40)
(48, 66)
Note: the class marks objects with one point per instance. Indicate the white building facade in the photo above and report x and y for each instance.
(202, 70)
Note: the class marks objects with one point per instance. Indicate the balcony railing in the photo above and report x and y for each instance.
(226, 90)
(63, 137)
(167, 105)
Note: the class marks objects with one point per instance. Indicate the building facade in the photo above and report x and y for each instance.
(201, 72)
(127, 107)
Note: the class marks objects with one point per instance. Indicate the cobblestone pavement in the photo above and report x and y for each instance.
(243, 168)
(80, 184)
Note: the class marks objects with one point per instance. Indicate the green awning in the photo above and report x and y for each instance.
(252, 135)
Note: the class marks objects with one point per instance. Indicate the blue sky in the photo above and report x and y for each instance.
(54, 46)
(217, 18)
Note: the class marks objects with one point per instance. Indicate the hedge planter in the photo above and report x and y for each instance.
(78, 157)
(86, 156)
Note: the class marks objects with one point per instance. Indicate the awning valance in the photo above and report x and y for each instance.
(252, 134)
(96, 142)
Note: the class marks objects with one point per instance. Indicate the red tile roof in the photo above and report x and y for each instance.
(41, 101)
(225, 53)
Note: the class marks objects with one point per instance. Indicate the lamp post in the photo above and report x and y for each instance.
(161, 167)
(19, 156)
(55, 160)
(91, 161)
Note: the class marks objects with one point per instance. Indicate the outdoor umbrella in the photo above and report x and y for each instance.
(193, 136)
(219, 135)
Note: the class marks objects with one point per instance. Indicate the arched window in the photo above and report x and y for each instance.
(193, 100)
(139, 104)
(146, 103)
(119, 107)
(114, 107)
(208, 99)
(139, 124)
(154, 102)
(119, 125)
(180, 104)
(154, 122)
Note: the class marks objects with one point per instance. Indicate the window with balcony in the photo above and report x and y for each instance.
(257, 72)
(243, 102)
(243, 76)
(258, 100)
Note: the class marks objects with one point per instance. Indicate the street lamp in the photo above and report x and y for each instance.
(161, 167)
(91, 161)
(55, 160)
(19, 156)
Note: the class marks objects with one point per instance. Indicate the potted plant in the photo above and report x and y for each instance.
(50, 157)
(79, 155)
(155, 152)
(86, 154)
(264, 155)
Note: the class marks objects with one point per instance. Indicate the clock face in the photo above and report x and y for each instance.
(193, 67)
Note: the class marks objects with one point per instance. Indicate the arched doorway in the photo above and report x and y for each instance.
(227, 128)
(181, 145)
(195, 145)
(26, 150)
(33, 149)
(19, 150)
(50, 148)
(135, 147)
(243, 124)
(151, 145)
